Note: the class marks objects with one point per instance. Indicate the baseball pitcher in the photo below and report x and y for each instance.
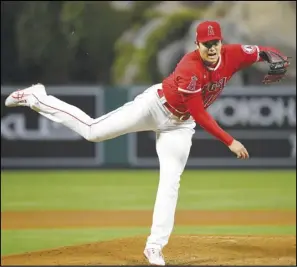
(171, 109)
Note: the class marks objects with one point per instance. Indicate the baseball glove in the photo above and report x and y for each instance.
(277, 66)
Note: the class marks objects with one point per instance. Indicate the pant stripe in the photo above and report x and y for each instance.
(89, 125)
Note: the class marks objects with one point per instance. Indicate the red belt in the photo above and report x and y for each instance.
(183, 116)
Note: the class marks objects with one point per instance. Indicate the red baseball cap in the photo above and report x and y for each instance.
(208, 31)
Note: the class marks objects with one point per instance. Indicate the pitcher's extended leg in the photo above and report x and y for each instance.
(131, 117)
(173, 148)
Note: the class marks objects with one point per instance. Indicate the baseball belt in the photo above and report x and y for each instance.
(182, 116)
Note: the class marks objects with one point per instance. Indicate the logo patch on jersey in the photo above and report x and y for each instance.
(249, 49)
(210, 30)
(192, 85)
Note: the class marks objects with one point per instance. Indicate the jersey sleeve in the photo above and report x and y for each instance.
(187, 80)
(244, 55)
(196, 108)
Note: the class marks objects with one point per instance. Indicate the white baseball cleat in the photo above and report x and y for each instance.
(20, 97)
(154, 256)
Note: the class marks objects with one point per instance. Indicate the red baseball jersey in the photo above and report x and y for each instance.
(191, 76)
(193, 86)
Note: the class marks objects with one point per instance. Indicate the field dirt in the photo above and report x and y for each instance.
(181, 250)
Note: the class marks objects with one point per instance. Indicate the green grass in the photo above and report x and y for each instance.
(132, 190)
(92, 190)
(20, 241)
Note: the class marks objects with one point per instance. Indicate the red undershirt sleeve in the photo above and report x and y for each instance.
(196, 108)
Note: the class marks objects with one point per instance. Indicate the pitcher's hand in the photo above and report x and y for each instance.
(238, 149)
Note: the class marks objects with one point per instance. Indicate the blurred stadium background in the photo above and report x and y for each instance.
(98, 55)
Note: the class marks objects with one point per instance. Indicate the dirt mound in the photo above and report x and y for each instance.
(182, 250)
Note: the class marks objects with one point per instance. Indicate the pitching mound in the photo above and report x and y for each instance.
(182, 250)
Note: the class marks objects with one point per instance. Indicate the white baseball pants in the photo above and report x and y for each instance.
(145, 113)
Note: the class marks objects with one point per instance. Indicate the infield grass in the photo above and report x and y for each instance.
(136, 190)
(20, 241)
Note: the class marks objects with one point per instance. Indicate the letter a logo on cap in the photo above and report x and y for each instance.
(210, 30)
